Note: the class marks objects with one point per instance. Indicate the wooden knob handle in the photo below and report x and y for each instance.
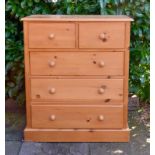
(51, 36)
(101, 63)
(52, 63)
(101, 117)
(102, 36)
(52, 117)
(52, 91)
(101, 90)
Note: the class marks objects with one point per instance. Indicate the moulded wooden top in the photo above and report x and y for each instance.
(77, 18)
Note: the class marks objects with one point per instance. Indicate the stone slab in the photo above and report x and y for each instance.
(12, 147)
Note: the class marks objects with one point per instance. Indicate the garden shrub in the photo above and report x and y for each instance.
(139, 52)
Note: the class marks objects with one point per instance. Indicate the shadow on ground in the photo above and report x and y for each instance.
(138, 145)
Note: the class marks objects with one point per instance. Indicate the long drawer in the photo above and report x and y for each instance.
(84, 89)
(76, 63)
(98, 117)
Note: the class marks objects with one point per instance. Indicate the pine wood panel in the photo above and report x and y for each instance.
(27, 79)
(76, 102)
(77, 77)
(63, 89)
(55, 35)
(68, 63)
(76, 49)
(76, 135)
(78, 18)
(126, 73)
(102, 35)
(77, 116)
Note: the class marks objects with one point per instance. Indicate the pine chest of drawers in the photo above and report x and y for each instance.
(76, 73)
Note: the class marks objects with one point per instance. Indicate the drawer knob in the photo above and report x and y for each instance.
(51, 36)
(102, 36)
(52, 91)
(52, 63)
(101, 90)
(101, 117)
(52, 117)
(101, 64)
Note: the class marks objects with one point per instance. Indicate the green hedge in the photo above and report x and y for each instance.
(139, 55)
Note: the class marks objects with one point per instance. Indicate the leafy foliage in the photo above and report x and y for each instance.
(139, 57)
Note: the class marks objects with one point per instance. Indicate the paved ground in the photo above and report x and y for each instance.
(139, 144)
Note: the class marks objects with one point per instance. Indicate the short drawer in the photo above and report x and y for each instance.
(77, 116)
(102, 35)
(76, 63)
(51, 35)
(77, 89)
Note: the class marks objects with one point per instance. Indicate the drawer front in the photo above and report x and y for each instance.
(77, 89)
(76, 63)
(102, 35)
(77, 116)
(51, 35)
